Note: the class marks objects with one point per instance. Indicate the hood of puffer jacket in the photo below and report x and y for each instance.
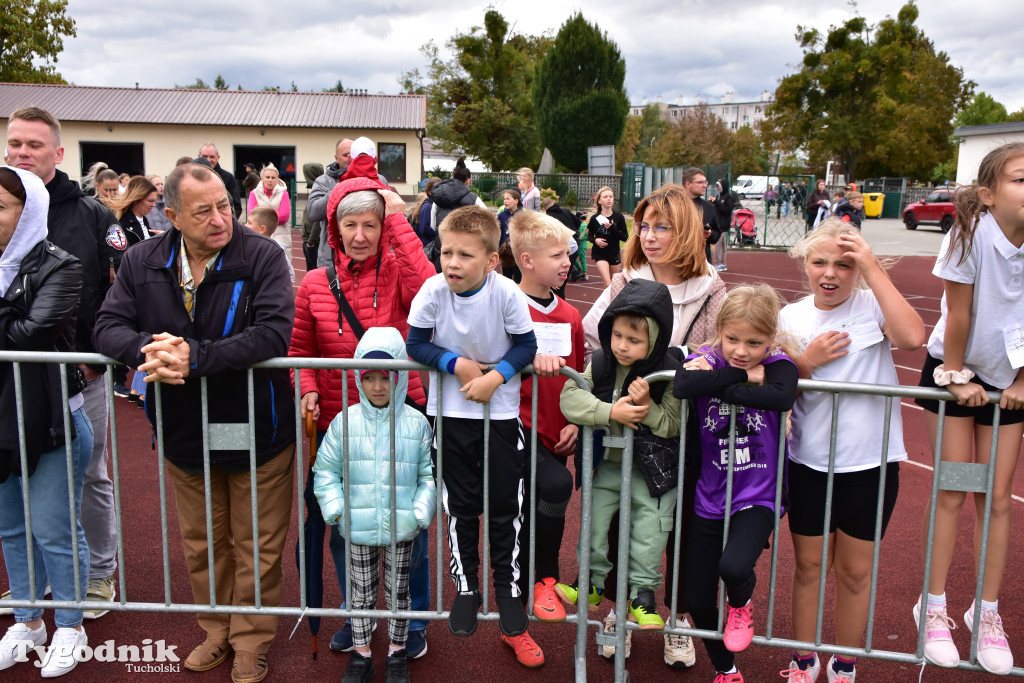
(340, 191)
(383, 343)
(653, 301)
(31, 228)
(448, 194)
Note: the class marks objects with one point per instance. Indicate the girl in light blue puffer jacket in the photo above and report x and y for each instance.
(365, 516)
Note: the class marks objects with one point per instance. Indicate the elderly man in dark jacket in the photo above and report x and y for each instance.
(206, 301)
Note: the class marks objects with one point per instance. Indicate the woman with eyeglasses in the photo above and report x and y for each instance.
(606, 230)
(667, 246)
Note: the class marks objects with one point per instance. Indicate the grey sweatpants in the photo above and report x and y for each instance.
(98, 493)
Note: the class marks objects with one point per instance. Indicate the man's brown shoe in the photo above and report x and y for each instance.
(249, 667)
(208, 655)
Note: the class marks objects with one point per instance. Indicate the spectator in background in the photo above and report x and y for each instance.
(696, 183)
(424, 228)
(107, 185)
(123, 182)
(531, 195)
(513, 203)
(817, 201)
(606, 230)
(158, 220)
(310, 229)
(723, 210)
(852, 210)
(251, 180)
(182, 160)
(209, 152)
(316, 201)
(272, 192)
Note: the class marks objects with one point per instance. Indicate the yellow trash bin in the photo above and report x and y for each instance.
(873, 202)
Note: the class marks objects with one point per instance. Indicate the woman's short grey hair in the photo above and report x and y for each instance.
(360, 202)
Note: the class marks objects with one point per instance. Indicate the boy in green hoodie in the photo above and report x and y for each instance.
(634, 334)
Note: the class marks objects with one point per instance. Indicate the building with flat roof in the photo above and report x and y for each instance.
(145, 130)
(733, 114)
(977, 141)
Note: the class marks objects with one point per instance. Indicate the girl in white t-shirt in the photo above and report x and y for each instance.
(844, 331)
(976, 348)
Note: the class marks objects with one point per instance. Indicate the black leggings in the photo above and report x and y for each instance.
(706, 561)
(554, 490)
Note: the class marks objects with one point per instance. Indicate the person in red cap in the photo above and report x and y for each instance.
(378, 265)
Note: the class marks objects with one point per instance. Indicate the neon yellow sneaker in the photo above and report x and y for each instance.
(570, 594)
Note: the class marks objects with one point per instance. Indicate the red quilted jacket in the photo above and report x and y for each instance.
(403, 270)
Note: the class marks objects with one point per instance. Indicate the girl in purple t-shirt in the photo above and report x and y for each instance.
(743, 369)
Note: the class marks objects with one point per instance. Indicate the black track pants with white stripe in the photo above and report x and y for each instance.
(463, 495)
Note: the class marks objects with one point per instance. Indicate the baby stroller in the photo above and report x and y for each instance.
(744, 225)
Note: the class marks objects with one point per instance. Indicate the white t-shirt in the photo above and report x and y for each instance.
(475, 327)
(996, 269)
(861, 417)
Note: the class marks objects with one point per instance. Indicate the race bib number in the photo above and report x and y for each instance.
(863, 330)
(553, 338)
(1013, 340)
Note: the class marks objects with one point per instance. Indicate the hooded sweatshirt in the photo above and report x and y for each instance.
(40, 285)
(610, 380)
(368, 505)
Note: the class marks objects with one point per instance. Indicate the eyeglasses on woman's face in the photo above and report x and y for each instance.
(659, 231)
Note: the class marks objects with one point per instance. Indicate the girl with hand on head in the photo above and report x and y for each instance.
(844, 331)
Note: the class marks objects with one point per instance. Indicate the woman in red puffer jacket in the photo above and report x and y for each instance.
(380, 265)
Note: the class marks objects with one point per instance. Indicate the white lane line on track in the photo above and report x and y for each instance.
(932, 469)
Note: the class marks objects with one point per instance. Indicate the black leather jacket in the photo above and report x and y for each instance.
(37, 313)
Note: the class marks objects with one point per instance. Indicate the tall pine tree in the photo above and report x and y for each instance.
(579, 94)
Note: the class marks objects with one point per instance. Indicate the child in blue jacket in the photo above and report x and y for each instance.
(365, 516)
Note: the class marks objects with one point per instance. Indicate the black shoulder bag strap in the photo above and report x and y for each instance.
(345, 311)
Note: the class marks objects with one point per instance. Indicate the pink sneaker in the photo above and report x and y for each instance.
(939, 648)
(993, 651)
(739, 628)
(729, 678)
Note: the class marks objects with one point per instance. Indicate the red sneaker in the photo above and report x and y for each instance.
(739, 628)
(546, 605)
(729, 678)
(528, 652)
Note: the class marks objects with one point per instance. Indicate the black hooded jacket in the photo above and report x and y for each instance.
(85, 229)
(449, 195)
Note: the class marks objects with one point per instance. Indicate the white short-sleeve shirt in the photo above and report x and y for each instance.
(477, 327)
(996, 269)
(861, 417)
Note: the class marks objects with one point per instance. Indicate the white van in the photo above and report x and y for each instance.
(753, 186)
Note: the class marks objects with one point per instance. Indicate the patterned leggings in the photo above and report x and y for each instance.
(366, 561)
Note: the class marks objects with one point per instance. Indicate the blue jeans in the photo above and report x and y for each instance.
(51, 529)
(419, 567)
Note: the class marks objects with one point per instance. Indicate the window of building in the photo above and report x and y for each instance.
(757, 110)
(735, 110)
(725, 110)
(733, 125)
(746, 119)
(391, 163)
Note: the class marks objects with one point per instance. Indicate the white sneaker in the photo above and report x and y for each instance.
(836, 677)
(9, 611)
(608, 651)
(60, 658)
(679, 652)
(794, 674)
(993, 651)
(18, 640)
(939, 647)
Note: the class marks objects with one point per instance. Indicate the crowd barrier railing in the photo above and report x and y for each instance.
(972, 477)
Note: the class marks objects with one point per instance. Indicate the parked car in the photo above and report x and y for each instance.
(935, 208)
(753, 186)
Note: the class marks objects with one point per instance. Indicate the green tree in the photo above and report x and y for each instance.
(219, 83)
(579, 93)
(697, 138)
(337, 87)
(479, 100)
(30, 31)
(639, 137)
(200, 84)
(747, 153)
(881, 100)
(982, 111)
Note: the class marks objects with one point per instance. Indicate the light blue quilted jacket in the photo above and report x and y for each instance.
(369, 461)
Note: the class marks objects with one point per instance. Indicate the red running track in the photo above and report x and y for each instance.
(483, 657)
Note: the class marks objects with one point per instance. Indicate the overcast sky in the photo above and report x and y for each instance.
(672, 48)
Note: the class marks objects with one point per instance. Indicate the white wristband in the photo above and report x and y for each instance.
(944, 377)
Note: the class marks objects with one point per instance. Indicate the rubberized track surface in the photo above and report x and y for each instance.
(482, 656)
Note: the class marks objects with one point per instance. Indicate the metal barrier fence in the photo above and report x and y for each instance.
(977, 478)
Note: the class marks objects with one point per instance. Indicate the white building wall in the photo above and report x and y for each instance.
(973, 149)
